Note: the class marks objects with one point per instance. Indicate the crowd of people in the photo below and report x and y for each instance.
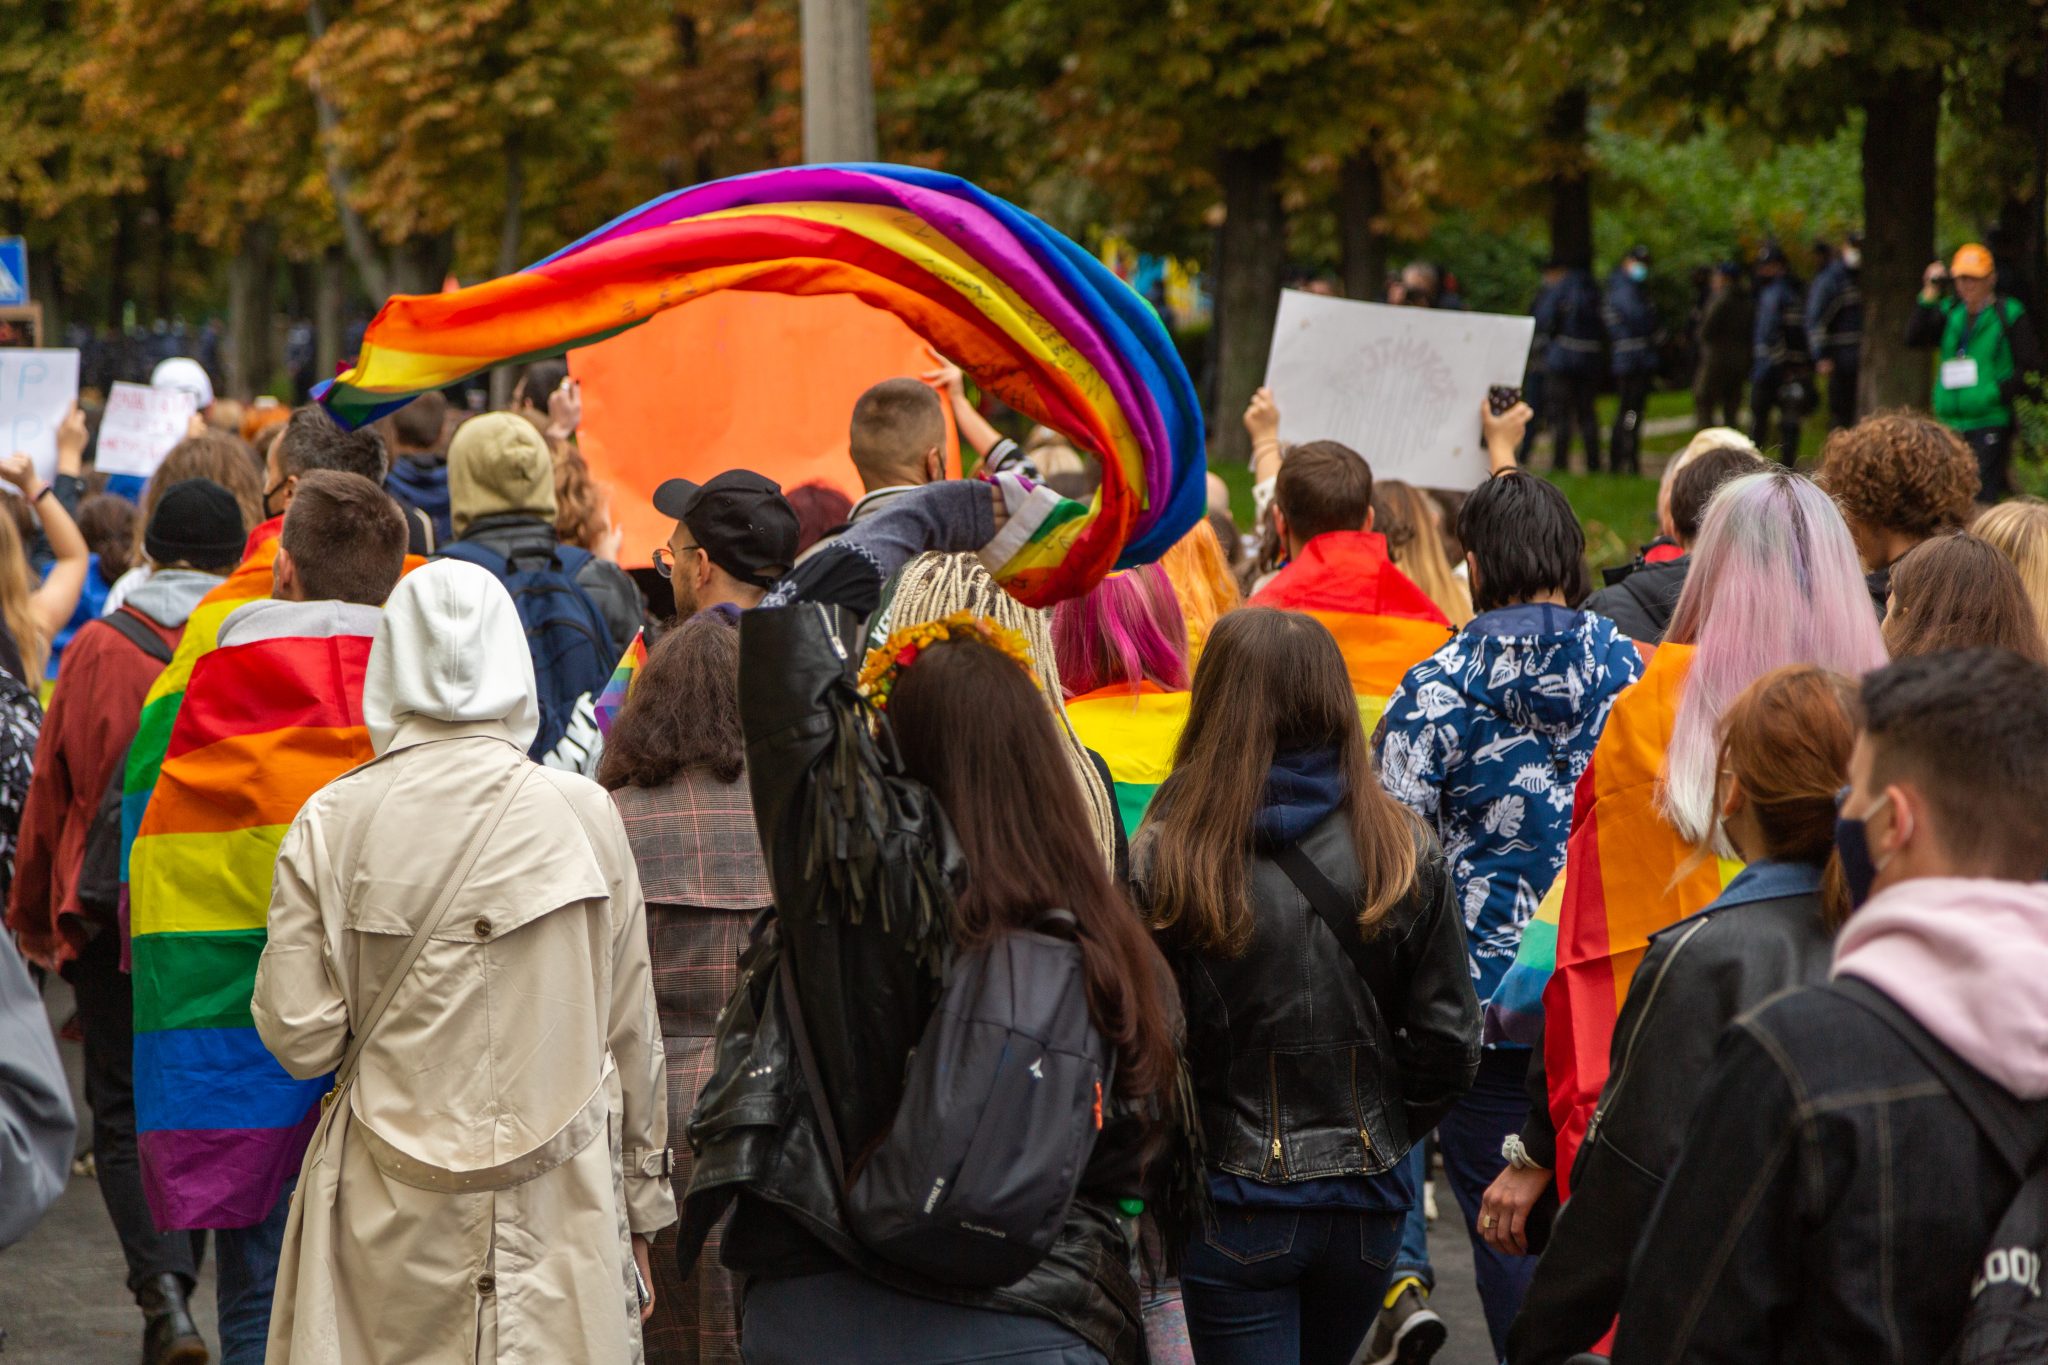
(840, 960)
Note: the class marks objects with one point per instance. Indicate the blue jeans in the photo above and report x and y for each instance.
(1264, 1285)
(246, 1278)
(1469, 1139)
(850, 1319)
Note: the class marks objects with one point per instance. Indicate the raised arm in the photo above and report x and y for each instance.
(57, 597)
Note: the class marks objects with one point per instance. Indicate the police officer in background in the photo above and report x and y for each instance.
(1988, 352)
(1568, 312)
(1834, 328)
(1779, 364)
(1632, 333)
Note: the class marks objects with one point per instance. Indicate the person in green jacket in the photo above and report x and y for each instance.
(1988, 355)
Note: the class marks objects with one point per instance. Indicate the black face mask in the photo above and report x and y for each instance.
(270, 493)
(1852, 843)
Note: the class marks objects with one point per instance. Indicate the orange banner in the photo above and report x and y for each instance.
(735, 380)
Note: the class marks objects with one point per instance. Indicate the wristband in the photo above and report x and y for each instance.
(46, 490)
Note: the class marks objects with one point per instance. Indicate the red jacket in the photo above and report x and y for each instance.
(92, 717)
(1347, 571)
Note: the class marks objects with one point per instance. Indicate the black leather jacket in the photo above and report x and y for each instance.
(1698, 976)
(864, 866)
(1833, 1201)
(1296, 1075)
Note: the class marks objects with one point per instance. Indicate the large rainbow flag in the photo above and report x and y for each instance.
(232, 741)
(1627, 874)
(1134, 726)
(1029, 314)
(1384, 624)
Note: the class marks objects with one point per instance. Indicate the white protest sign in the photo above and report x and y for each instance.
(140, 426)
(1401, 386)
(36, 389)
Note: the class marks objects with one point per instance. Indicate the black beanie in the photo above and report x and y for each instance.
(196, 522)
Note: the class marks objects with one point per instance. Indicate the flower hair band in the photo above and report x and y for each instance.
(886, 661)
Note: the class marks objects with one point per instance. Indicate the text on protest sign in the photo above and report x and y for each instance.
(140, 426)
(1401, 386)
(36, 389)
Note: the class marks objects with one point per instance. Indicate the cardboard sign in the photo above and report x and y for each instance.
(36, 389)
(735, 380)
(140, 426)
(1401, 386)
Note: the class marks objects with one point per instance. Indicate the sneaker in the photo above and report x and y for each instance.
(1407, 1333)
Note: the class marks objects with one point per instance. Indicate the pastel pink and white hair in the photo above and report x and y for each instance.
(1774, 581)
(1126, 629)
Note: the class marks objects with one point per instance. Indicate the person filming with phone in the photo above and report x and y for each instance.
(1988, 353)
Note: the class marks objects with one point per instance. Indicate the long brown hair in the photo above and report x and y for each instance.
(16, 609)
(971, 726)
(1785, 740)
(1958, 592)
(1269, 680)
(683, 711)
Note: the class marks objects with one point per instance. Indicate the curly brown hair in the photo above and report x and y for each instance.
(1901, 471)
(582, 512)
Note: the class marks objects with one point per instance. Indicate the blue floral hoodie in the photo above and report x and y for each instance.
(1486, 739)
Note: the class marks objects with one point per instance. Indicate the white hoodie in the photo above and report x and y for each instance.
(449, 648)
(1968, 958)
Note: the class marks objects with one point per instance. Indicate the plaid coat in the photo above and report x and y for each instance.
(702, 873)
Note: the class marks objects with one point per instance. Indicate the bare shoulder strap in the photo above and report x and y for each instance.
(361, 1034)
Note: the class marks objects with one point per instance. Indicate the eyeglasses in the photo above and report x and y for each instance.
(665, 559)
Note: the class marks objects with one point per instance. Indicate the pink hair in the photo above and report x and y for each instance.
(1126, 629)
(1774, 582)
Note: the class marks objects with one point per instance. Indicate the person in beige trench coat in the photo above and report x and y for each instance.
(482, 1188)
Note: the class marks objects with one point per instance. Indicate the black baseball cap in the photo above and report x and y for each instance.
(739, 518)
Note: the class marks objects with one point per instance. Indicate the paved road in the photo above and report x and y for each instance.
(63, 1300)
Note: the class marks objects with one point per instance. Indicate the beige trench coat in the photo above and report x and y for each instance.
(523, 1041)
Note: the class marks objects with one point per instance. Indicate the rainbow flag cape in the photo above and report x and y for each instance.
(613, 699)
(1627, 874)
(1028, 313)
(1135, 728)
(209, 790)
(1384, 624)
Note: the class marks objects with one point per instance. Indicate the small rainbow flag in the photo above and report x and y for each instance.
(612, 700)
(1384, 624)
(1627, 874)
(1029, 314)
(1134, 726)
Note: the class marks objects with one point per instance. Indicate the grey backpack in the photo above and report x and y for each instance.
(1002, 1100)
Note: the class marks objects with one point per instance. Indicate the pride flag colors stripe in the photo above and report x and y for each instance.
(1135, 729)
(1029, 314)
(212, 784)
(1627, 874)
(612, 700)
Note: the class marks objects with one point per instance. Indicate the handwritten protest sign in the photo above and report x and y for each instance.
(1401, 386)
(36, 389)
(140, 427)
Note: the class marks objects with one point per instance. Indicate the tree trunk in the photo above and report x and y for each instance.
(509, 232)
(1571, 197)
(362, 248)
(1251, 256)
(1900, 119)
(419, 265)
(252, 357)
(330, 296)
(46, 286)
(165, 243)
(119, 253)
(839, 82)
(2016, 241)
(1361, 199)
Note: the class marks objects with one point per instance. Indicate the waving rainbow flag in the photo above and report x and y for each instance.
(1384, 624)
(1627, 874)
(1135, 728)
(612, 700)
(1029, 314)
(233, 740)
